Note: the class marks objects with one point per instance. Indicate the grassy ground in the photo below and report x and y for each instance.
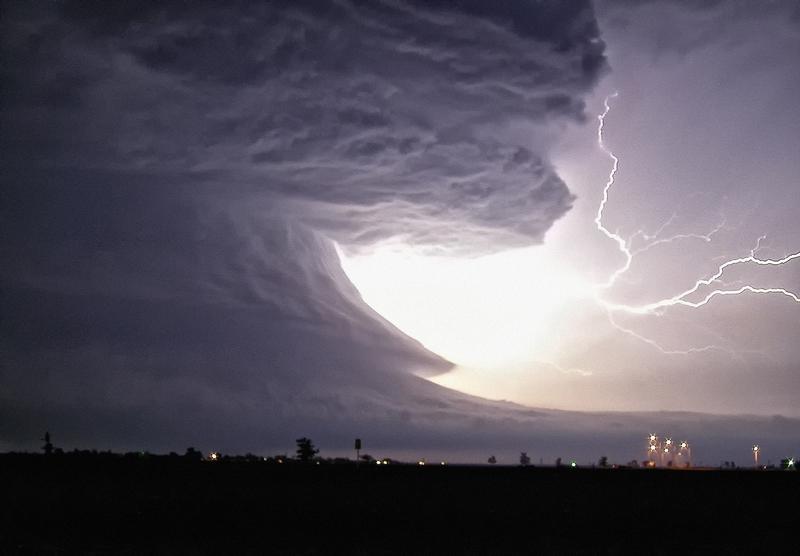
(93, 505)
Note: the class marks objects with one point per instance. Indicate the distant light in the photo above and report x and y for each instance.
(683, 445)
(385, 462)
(444, 463)
(669, 441)
(421, 462)
(652, 448)
(653, 438)
(213, 456)
(573, 464)
(756, 448)
(790, 463)
(280, 461)
(378, 462)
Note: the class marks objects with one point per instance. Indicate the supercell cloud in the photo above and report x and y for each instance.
(370, 120)
(178, 172)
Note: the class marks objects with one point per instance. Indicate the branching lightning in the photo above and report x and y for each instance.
(655, 239)
(598, 219)
(687, 298)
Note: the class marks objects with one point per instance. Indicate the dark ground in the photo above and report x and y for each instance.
(94, 505)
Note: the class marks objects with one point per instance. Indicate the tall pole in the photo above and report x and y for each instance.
(653, 446)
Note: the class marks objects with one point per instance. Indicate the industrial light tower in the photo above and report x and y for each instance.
(653, 449)
(685, 453)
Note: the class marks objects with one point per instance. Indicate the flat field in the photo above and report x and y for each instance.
(161, 505)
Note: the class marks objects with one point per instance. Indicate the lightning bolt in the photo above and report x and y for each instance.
(687, 298)
(598, 219)
(654, 239)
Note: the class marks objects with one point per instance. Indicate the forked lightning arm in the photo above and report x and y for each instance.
(684, 298)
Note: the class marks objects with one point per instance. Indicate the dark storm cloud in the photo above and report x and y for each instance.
(395, 112)
(172, 176)
(677, 28)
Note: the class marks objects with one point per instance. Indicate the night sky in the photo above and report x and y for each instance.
(229, 226)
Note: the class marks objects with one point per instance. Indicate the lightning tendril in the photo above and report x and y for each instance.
(687, 298)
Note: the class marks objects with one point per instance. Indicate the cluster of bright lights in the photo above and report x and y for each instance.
(686, 298)
(666, 449)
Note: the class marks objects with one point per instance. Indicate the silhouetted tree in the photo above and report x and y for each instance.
(524, 459)
(193, 455)
(602, 462)
(492, 460)
(48, 446)
(305, 449)
(367, 458)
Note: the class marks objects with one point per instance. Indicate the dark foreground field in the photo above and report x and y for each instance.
(173, 506)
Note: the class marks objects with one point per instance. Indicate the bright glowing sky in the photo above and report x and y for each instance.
(708, 163)
(493, 312)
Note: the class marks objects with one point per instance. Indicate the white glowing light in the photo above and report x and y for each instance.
(491, 312)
